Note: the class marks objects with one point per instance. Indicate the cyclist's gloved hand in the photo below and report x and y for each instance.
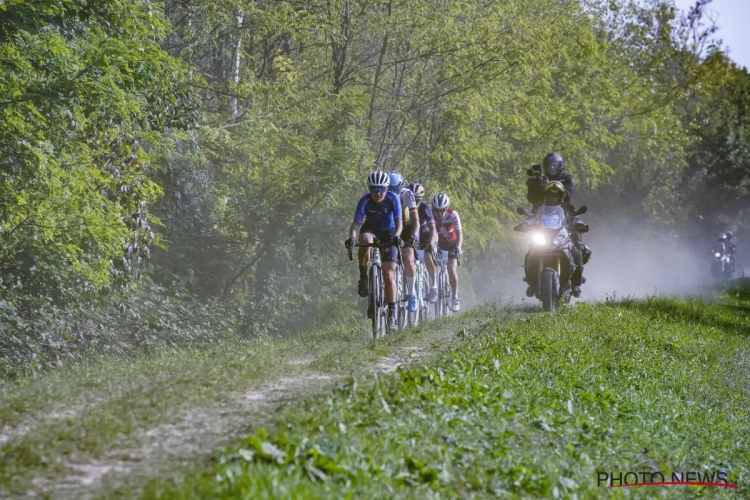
(414, 239)
(397, 241)
(349, 243)
(459, 251)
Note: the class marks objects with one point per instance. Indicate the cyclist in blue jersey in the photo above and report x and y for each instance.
(380, 210)
(409, 234)
(427, 236)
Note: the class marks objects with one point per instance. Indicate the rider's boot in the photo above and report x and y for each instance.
(363, 288)
(531, 289)
(575, 282)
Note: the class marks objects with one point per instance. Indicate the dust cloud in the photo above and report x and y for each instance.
(626, 262)
(632, 263)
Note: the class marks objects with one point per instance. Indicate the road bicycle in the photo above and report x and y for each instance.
(377, 305)
(442, 305)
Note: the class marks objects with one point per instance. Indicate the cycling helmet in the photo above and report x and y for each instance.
(417, 189)
(397, 181)
(440, 201)
(554, 193)
(553, 165)
(378, 178)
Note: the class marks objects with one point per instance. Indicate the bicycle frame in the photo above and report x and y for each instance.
(376, 295)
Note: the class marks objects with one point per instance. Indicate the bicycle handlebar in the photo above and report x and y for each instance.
(374, 244)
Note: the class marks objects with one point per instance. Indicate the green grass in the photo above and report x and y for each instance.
(102, 411)
(529, 405)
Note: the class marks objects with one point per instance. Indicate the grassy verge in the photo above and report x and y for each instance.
(115, 412)
(536, 406)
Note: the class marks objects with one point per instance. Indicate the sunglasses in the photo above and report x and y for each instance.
(378, 190)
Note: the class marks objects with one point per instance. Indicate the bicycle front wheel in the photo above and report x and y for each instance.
(402, 302)
(376, 300)
(445, 293)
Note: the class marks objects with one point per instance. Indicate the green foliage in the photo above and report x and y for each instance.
(135, 322)
(78, 84)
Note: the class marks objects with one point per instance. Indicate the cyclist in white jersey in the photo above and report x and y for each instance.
(409, 234)
(450, 239)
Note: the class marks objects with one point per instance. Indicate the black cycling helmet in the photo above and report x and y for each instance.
(553, 165)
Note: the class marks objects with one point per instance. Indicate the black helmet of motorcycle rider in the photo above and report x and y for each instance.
(553, 165)
(723, 237)
(554, 193)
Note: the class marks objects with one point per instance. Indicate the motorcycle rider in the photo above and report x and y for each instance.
(727, 239)
(410, 234)
(553, 169)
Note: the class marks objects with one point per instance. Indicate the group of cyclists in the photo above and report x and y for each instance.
(397, 213)
(398, 216)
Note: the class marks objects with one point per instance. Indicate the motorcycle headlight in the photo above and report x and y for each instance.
(558, 239)
(717, 254)
(539, 239)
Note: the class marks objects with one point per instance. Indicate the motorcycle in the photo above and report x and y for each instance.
(722, 266)
(550, 252)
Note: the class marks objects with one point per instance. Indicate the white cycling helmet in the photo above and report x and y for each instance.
(440, 201)
(378, 178)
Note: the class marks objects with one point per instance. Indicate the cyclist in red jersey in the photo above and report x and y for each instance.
(450, 239)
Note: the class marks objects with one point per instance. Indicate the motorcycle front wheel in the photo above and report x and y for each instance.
(548, 291)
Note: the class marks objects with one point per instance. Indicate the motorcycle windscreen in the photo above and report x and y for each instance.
(551, 217)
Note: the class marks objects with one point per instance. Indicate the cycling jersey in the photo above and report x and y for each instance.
(407, 203)
(425, 215)
(448, 226)
(380, 217)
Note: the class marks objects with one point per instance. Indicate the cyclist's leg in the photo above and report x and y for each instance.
(453, 268)
(410, 266)
(390, 264)
(389, 279)
(431, 267)
(365, 236)
(453, 279)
